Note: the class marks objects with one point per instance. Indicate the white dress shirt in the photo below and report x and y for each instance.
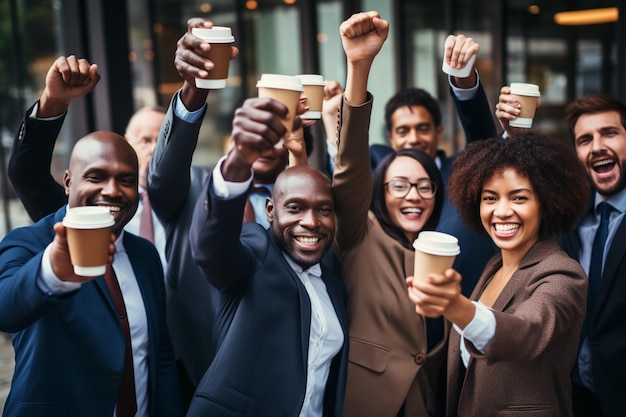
(49, 283)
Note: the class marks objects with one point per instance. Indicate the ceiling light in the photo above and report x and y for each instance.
(587, 17)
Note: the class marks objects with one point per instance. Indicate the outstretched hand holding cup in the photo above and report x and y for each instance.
(88, 232)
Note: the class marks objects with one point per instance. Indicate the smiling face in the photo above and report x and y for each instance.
(413, 127)
(510, 211)
(302, 214)
(600, 140)
(103, 171)
(411, 212)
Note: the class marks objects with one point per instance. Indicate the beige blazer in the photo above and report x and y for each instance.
(526, 367)
(388, 360)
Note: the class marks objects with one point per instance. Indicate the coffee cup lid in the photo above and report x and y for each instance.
(283, 82)
(525, 89)
(88, 217)
(461, 73)
(437, 243)
(311, 79)
(217, 34)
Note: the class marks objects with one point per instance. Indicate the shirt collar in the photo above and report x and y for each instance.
(617, 200)
(315, 270)
(119, 243)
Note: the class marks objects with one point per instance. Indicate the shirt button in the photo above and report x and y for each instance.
(420, 358)
(114, 378)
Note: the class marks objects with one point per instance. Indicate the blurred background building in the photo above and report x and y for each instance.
(133, 42)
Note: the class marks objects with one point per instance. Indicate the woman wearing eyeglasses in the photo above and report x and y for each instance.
(392, 370)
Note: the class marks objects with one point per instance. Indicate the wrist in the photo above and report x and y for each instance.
(193, 98)
(50, 106)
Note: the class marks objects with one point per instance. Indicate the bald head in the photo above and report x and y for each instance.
(103, 171)
(297, 174)
(142, 133)
(102, 142)
(302, 214)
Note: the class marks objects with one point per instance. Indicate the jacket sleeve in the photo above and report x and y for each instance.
(21, 301)
(475, 116)
(352, 177)
(29, 166)
(214, 238)
(169, 175)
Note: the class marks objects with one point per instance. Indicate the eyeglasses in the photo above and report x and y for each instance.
(400, 188)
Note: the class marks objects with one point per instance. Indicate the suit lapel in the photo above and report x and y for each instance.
(519, 278)
(304, 300)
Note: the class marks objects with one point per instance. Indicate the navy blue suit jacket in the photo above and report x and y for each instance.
(263, 321)
(607, 329)
(70, 349)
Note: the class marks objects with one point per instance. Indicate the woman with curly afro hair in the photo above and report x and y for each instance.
(515, 340)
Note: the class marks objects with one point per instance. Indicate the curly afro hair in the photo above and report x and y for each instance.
(557, 176)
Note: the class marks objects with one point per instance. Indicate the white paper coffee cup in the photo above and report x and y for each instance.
(434, 253)
(88, 237)
(462, 72)
(313, 85)
(528, 97)
(221, 40)
(285, 89)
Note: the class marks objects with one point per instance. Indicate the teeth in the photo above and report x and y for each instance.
(307, 240)
(506, 228)
(114, 209)
(413, 210)
(603, 162)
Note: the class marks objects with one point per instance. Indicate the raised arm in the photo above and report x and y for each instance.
(67, 80)
(473, 108)
(216, 224)
(169, 175)
(362, 36)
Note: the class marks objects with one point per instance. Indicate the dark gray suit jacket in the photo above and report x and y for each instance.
(174, 187)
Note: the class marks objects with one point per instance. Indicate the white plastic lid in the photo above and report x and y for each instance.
(437, 243)
(218, 34)
(524, 89)
(461, 73)
(283, 82)
(88, 217)
(311, 79)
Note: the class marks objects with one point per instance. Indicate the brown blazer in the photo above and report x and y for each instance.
(388, 359)
(525, 370)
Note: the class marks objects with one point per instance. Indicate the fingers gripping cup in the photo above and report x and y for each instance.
(285, 89)
(434, 253)
(88, 238)
(221, 40)
(313, 85)
(528, 97)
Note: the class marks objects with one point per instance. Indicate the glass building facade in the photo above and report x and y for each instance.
(133, 42)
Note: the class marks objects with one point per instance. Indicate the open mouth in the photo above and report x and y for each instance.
(508, 229)
(307, 241)
(603, 166)
(412, 211)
